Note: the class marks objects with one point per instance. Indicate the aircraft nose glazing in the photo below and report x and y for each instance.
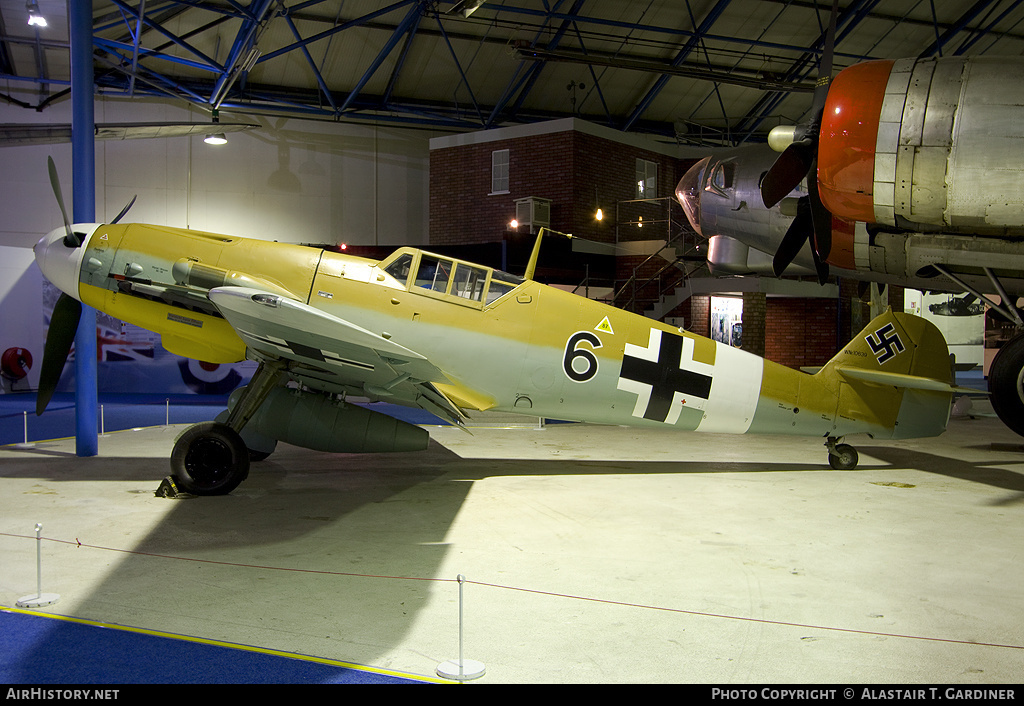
(688, 192)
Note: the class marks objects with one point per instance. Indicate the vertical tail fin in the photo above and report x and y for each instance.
(895, 377)
(895, 347)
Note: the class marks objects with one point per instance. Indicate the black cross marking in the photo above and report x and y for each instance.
(665, 377)
(885, 343)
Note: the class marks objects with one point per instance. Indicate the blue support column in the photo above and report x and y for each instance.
(83, 171)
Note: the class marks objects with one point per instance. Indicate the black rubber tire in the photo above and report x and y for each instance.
(844, 459)
(209, 458)
(1006, 384)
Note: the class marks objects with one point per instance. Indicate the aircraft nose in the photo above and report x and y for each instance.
(59, 262)
(688, 192)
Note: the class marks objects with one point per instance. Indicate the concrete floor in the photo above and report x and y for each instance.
(592, 554)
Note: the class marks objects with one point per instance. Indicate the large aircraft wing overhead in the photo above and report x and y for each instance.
(329, 353)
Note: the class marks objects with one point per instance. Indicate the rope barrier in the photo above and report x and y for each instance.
(681, 611)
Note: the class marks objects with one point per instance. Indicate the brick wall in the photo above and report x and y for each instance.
(576, 170)
(463, 209)
(755, 309)
(800, 332)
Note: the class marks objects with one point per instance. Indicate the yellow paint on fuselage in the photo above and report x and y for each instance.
(192, 334)
(186, 333)
(515, 353)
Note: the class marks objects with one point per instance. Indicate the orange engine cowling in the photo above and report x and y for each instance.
(926, 144)
(846, 146)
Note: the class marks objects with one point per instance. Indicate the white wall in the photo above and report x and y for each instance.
(291, 180)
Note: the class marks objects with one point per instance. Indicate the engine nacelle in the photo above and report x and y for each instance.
(315, 421)
(926, 144)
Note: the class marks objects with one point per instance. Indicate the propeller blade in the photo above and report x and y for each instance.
(821, 218)
(825, 68)
(787, 172)
(799, 159)
(61, 334)
(70, 239)
(797, 234)
(820, 266)
(124, 210)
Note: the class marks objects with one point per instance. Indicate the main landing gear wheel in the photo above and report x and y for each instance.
(1006, 384)
(210, 458)
(842, 457)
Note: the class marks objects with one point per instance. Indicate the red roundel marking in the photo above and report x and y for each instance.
(846, 145)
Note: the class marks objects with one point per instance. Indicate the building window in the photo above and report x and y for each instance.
(646, 179)
(499, 172)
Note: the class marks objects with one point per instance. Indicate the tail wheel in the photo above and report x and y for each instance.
(210, 459)
(843, 458)
(1006, 384)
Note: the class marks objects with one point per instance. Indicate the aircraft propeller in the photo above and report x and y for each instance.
(66, 312)
(798, 161)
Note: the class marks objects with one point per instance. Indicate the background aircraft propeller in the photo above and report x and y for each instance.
(66, 312)
(799, 161)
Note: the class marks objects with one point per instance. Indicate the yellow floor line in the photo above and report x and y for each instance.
(231, 645)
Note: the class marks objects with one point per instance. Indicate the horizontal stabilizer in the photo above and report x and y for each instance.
(913, 382)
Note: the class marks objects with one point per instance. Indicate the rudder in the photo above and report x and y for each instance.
(895, 379)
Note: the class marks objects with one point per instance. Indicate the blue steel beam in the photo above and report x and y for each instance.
(986, 30)
(961, 22)
(244, 41)
(402, 56)
(83, 204)
(209, 63)
(690, 45)
(519, 77)
(538, 67)
(312, 64)
(125, 50)
(458, 65)
(338, 28)
(410, 20)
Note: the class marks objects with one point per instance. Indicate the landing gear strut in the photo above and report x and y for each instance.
(841, 457)
(210, 458)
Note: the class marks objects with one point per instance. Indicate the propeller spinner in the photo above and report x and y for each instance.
(59, 255)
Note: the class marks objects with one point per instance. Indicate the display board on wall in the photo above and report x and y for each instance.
(727, 320)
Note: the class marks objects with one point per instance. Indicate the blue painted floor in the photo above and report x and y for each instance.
(39, 649)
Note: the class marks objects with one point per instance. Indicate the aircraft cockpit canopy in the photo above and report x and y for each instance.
(455, 280)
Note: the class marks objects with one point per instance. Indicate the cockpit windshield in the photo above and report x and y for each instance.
(464, 282)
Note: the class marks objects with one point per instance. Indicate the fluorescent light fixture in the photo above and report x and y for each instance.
(35, 17)
(465, 7)
(216, 138)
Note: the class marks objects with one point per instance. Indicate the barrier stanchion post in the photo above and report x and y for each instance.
(26, 444)
(461, 669)
(40, 599)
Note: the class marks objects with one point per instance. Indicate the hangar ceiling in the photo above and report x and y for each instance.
(697, 71)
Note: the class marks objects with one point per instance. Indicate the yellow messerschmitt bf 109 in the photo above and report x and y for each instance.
(424, 330)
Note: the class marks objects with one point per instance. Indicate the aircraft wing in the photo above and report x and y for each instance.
(330, 353)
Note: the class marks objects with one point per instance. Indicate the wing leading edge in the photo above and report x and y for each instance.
(329, 353)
